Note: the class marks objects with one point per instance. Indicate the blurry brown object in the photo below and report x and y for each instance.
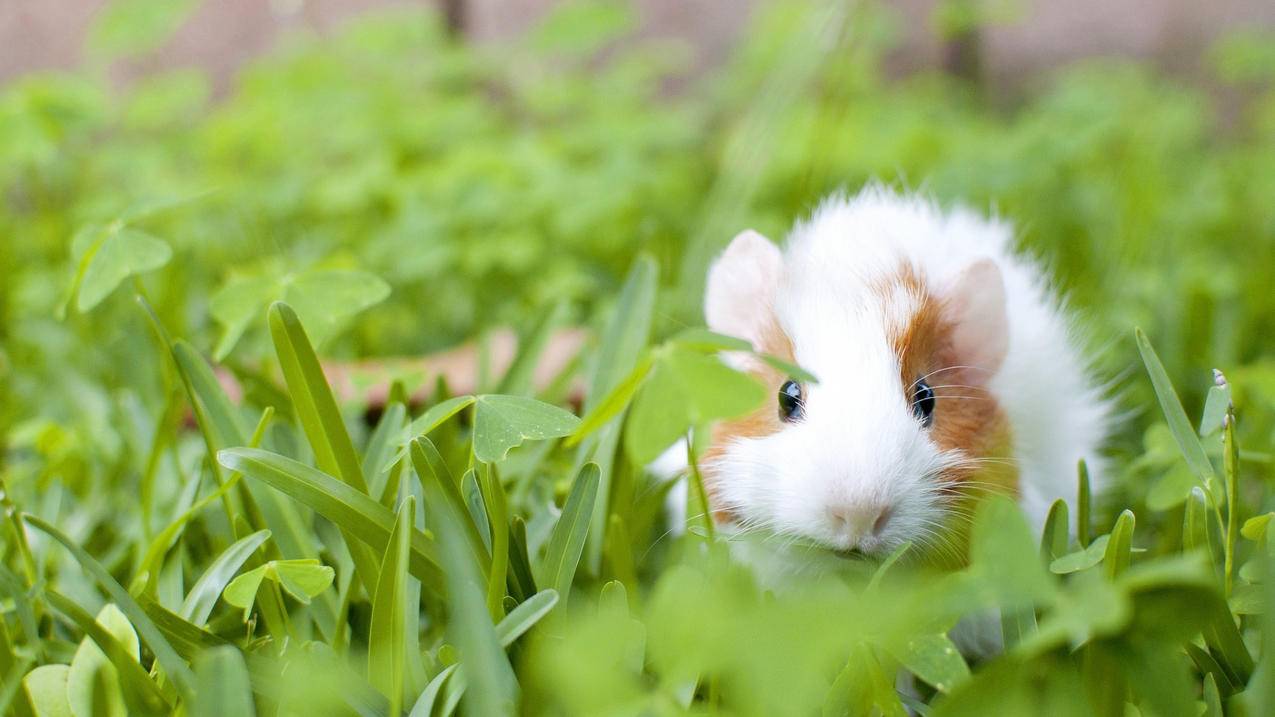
(367, 382)
(220, 36)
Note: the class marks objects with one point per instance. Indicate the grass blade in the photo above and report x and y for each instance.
(387, 644)
(522, 582)
(140, 692)
(222, 678)
(1179, 425)
(212, 402)
(493, 495)
(1230, 467)
(381, 446)
(202, 597)
(316, 408)
(525, 616)
(1195, 524)
(434, 474)
(485, 664)
(187, 638)
(566, 542)
(1053, 540)
(1120, 546)
(320, 418)
(424, 706)
(363, 518)
(1083, 518)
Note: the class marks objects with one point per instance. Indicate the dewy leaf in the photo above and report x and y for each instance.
(118, 253)
(1174, 415)
(1195, 522)
(504, 422)
(934, 659)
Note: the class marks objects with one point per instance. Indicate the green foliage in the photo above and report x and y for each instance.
(402, 191)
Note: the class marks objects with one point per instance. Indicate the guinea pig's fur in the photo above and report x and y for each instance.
(872, 294)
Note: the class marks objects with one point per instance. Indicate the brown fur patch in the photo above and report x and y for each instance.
(966, 415)
(762, 422)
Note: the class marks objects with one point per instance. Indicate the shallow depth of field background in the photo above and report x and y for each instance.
(408, 177)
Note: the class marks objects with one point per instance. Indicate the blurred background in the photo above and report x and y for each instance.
(410, 174)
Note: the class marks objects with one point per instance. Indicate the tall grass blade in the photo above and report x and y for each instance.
(1179, 425)
(485, 664)
(566, 542)
(320, 419)
(387, 643)
(435, 475)
(203, 595)
(1119, 551)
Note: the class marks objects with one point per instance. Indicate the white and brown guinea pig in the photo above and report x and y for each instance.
(945, 366)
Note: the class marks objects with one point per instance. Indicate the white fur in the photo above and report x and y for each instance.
(859, 449)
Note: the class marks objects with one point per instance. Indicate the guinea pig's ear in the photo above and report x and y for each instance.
(976, 307)
(739, 298)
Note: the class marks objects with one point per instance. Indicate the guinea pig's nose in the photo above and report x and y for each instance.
(860, 520)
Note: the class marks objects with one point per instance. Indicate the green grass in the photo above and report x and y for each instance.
(384, 191)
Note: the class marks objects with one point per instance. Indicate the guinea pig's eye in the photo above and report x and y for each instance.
(923, 402)
(790, 403)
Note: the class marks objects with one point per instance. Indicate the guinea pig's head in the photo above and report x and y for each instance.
(901, 427)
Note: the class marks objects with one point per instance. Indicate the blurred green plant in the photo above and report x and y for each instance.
(401, 191)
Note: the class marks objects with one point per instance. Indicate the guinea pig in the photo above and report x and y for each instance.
(946, 368)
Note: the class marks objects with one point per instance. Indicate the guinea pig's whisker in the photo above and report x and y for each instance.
(946, 368)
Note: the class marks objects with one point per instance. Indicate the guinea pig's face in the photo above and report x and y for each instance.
(900, 426)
